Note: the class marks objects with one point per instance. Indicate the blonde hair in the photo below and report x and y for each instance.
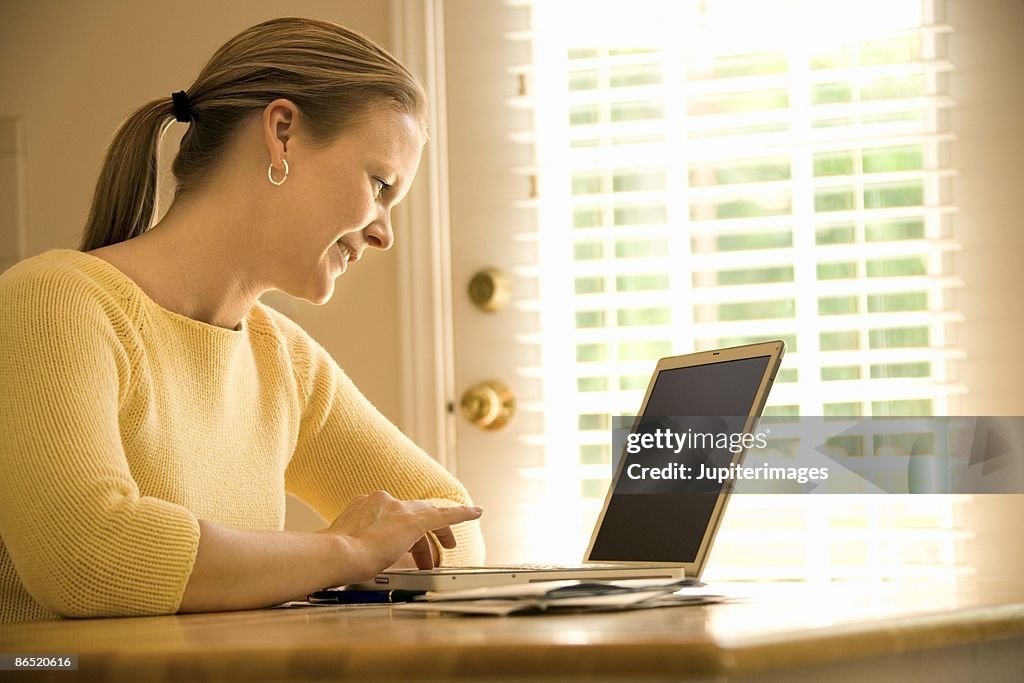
(332, 74)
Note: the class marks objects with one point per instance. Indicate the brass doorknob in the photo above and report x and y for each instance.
(489, 290)
(489, 405)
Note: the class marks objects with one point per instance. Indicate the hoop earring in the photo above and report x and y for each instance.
(270, 173)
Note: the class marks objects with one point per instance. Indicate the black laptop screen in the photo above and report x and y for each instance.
(669, 527)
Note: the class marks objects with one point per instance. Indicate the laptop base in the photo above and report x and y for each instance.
(459, 578)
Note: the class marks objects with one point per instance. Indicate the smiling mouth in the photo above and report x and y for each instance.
(346, 253)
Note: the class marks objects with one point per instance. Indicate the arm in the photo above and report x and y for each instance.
(242, 569)
(238, 569)
(347, 448)
(83, 540)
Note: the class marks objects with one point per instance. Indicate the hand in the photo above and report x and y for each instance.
(381, 529)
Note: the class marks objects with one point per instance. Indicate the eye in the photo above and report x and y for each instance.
(380, 186)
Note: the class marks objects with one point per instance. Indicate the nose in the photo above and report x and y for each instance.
(379, 234)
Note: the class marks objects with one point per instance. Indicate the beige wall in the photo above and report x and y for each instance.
(72, 70)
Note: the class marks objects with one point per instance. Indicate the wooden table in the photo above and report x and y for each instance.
(783, 632)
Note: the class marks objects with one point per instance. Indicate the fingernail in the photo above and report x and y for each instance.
(477, 509)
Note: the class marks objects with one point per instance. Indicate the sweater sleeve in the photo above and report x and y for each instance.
(346, 447)
(83, 540)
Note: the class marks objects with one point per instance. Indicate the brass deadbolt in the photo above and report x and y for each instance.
(490, 290)
(489, 405)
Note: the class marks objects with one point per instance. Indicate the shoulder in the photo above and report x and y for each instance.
(302, 350)
(61, 284)
(267, 321)
(57, 312)
(314, 367)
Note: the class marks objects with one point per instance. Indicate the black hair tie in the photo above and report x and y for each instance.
(182, 112)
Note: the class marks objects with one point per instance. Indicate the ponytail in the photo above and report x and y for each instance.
(125, 196)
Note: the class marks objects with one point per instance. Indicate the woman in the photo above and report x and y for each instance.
(154, 413)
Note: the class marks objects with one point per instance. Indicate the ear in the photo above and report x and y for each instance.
(280, 118)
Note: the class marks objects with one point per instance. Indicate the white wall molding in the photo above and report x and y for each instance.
(426, 380)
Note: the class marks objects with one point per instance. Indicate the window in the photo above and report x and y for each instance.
(728, 171)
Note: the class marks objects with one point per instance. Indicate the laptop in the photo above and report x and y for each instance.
(650, 529)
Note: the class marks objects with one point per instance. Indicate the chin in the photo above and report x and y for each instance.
(318, 296)
(321, 298)
(317, 287)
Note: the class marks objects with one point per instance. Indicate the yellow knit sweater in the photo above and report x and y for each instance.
(122, 424)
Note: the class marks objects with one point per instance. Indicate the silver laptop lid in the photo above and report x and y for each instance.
(667, 525)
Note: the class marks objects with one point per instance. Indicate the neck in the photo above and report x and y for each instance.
(194, 263)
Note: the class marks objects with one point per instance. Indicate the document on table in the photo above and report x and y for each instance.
(566, 596)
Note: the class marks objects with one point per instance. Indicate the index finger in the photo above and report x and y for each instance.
(458, 513)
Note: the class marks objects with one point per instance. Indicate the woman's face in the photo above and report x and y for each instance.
(337, 199)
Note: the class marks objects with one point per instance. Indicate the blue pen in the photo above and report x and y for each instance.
(357, 597)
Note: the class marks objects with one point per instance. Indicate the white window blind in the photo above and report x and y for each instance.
(726, 171)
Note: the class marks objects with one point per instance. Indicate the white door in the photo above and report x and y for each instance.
(491, 227)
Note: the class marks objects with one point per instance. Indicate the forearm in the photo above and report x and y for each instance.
(237, 569)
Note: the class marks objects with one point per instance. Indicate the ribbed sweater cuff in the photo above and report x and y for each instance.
(147, 573)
